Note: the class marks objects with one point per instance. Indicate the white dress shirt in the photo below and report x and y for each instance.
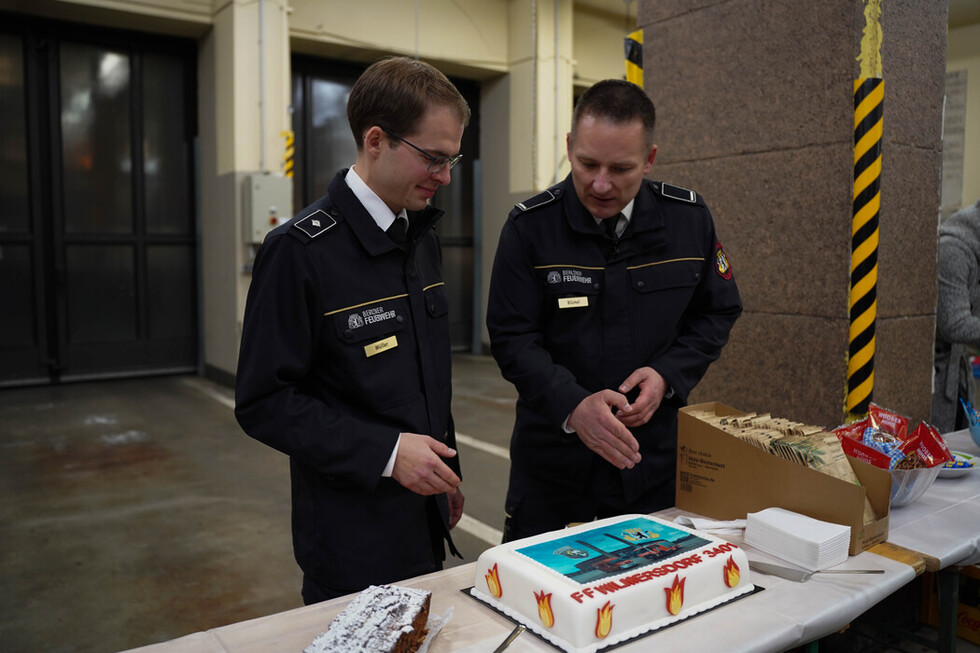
(384, 217)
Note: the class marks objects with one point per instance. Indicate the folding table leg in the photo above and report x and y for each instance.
(948, 597)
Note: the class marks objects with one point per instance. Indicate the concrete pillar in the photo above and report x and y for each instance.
(541, 91)
(755, 112)
(244, 84)
(525, 116)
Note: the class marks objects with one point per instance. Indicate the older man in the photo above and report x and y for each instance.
(609, 298)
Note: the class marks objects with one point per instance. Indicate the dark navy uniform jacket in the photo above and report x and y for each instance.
(571, 313)
(345, 344)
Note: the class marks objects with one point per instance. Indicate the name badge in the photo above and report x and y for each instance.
(573, 302)
(380, 346)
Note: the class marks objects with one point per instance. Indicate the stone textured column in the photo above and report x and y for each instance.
(755, 112)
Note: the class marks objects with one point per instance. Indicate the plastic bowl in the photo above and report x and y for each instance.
(975, 432)
(909, 484)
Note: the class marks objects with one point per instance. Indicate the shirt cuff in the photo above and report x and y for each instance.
(391, 461)
(564, 426)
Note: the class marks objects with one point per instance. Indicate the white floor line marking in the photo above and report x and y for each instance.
(461, 438)
(486, 447)
(476, 528)
(214, 394)
(479, 530)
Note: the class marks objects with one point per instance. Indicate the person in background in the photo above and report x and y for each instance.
(957, 317)
(610, 295)
(345, 354)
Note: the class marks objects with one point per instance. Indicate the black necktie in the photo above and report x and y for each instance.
(609, 226)
(397, 230)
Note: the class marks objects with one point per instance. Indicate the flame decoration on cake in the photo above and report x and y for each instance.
(493, 582)
(603, 622)
(675, 595)
(731, 573)
(544, 609)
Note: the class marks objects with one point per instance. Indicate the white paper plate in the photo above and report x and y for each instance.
(964, 463)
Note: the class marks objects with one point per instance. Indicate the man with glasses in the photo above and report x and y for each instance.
(610, 296)
(345, 354)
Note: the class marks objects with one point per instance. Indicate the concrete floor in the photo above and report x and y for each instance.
(136, 511)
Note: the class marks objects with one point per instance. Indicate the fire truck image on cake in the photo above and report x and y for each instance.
(589, 556)
(635, 554)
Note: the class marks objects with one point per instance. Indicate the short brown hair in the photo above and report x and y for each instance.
(619, 102)
(395, 92)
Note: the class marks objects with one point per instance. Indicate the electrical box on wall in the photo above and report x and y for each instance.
(267, 202)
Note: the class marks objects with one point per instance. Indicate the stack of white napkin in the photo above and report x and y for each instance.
(804, 541)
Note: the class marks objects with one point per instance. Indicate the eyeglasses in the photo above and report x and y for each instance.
(436, 163)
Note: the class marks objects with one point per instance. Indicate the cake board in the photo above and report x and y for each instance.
(610, 647)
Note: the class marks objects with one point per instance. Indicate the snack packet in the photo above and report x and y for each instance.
(885, 443)
(927, 445)
(854, 430)
(888, 422)
(856, 449)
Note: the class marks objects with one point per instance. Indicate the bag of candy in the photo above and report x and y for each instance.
(882, 439)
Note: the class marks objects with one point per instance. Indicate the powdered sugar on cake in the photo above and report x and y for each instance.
(374, 621)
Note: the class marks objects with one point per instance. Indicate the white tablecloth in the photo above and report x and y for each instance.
(944, 523)
(783, 615)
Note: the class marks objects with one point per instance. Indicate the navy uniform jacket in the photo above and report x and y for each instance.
(345, 343)
(571, 313)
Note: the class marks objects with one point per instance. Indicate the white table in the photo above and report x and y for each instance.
(785, 614)
(943, 527)
(944, 523)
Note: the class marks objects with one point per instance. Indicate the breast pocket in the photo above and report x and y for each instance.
(661, 292)
(375, 349)
(437, 310)
(571, 297)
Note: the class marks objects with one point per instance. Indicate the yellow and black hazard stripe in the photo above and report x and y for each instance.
(863, 301)
(634, 58)
(288, 153)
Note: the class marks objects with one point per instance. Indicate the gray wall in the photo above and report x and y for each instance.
(755, 112)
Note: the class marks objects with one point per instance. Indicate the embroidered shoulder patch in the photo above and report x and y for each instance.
(722, 266)
(315, 223)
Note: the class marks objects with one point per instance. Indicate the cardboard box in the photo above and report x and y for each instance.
(721, 477)
(968, 610)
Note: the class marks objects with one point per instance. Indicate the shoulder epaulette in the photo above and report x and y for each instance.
(541, 199)
(676, 192)
(315, 224)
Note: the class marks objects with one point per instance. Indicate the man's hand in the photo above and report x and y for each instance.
(602, 432)
(652, 389)
(419, 467)
(455, 507)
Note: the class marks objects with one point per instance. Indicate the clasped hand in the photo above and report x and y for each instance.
(608, 434)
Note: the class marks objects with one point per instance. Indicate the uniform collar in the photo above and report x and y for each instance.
(643, 208)
(365, 228)
(373, 204)
(627, 213)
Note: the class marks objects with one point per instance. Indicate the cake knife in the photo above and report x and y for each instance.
(510, 638)
(802, 575)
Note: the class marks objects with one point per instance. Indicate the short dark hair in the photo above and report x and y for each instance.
(618, 101)
(395, 92)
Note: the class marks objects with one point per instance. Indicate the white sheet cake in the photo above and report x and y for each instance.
(597, 584)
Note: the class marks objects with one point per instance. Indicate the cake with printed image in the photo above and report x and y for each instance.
(598, 584)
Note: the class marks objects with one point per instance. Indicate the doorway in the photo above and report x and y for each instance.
(98, 255)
